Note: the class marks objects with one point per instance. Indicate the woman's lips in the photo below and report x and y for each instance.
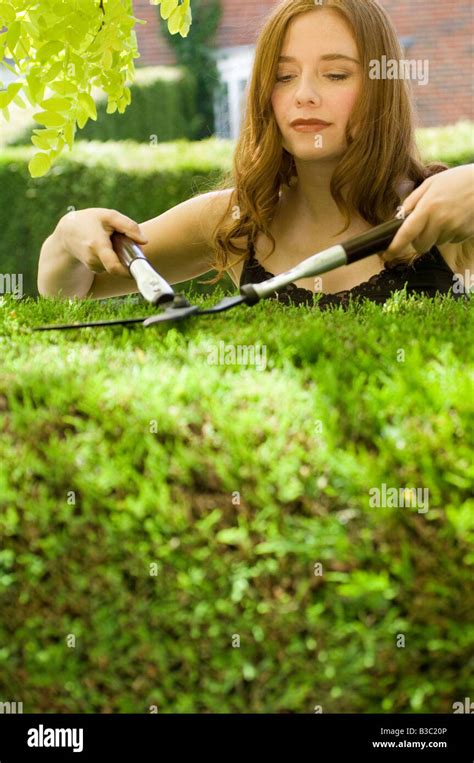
(310, 128)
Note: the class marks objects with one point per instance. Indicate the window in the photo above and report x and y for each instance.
(235, 67)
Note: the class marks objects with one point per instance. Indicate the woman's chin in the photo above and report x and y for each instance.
(312, 154)
(314, 149)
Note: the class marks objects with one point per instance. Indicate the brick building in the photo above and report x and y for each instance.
(441, 32)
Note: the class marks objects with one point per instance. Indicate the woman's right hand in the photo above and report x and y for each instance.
(85, 234)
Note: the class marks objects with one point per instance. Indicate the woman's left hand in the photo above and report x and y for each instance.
(442, 212)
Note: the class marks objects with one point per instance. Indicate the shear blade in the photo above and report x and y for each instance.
(226, 304)
(171, 314)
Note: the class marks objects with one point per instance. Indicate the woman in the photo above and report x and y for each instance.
(294, 190)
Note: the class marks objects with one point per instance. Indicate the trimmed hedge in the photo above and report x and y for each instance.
(160, 514)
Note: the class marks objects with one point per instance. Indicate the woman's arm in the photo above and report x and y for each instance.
(59, 273)
(78, 260)
(179, 244)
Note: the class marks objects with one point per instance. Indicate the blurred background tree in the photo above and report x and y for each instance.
(197, 54)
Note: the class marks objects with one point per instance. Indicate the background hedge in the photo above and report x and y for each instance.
(164, 104)
(139, 180)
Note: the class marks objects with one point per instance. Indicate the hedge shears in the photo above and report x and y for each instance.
(175, 307)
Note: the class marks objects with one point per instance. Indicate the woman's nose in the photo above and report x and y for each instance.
(307, 92)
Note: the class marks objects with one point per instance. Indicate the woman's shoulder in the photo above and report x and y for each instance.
(214, 203)
(212, 207)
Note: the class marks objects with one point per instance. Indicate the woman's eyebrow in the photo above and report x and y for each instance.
(327, 57)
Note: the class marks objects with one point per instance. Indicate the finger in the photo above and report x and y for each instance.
(111, 263)
(411, 229)
(415, 197)
(126, 225)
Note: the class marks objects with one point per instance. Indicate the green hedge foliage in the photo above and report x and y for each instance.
(197, 537)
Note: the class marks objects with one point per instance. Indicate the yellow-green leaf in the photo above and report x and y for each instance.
(51, 48)
(50, 132)
(53, 71)
(34, 84)
(7, 13)
(64, 88)
(87, 103)
(185, 26)
(39, 165)
(175, 20)
(69, 131)
(55, 103)
(40, 141)
(4, 99)
(31, 28)
(49, 118)
(107, 58)
(6, 96)
(168, 7)
(13, 35)
(82, 118)
(33, 101)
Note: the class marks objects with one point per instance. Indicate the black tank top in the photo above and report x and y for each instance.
(428, 275)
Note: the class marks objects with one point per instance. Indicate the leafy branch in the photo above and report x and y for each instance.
(49, 46)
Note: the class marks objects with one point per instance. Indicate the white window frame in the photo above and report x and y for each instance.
(235, 67)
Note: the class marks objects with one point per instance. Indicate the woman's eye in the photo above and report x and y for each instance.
(337, 76)
(332, 77)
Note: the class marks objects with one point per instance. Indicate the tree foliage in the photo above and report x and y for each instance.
(60, 50)
(197, 55)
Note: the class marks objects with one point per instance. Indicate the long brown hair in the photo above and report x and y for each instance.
(383, 143)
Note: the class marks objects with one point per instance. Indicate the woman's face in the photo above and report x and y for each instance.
(313, 87)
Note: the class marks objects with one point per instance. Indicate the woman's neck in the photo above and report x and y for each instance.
(316, 210)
